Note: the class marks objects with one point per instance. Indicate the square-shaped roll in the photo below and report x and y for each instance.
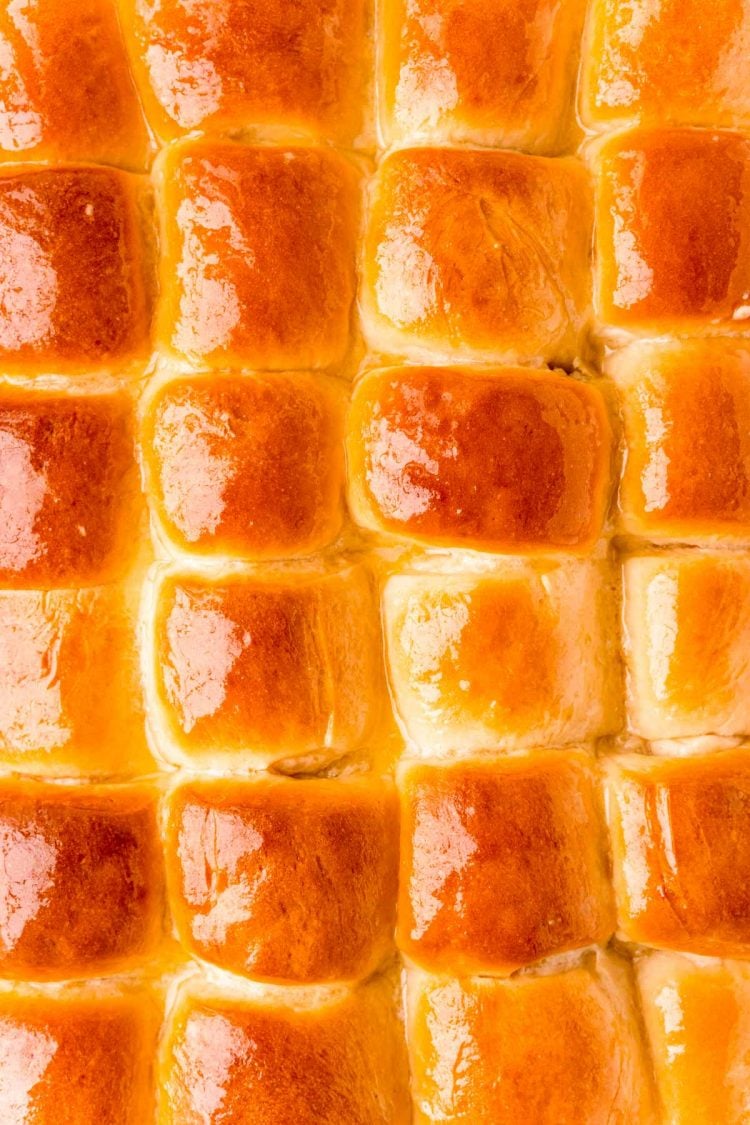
(680, 832)
(673, 231)
(687, 644)
(224, 66)
(257, 254)
(476, 255)
(486, 72)
(554, 1049)
(507, 460)
(686, 412)
(253, 668)
(70, 494)
(678, 61)
(337, 1057)
(502, 862)
(246, 465)
(696, 1017)
(81, 882)
(66, 92)
(284, 880)
(78, 1054)
(71, 703)
(74, 283)
(521, 657)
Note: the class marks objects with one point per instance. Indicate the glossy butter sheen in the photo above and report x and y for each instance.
(502, 863)
(686, 408)
(556, 1049)
(257, 265)
(697, 1017)
(71, 700)
(81, 883)
(243, 465)
(673, 230)
(342, 1062)
(506, 460)
(74, 293)
(688, 664)
(78, 1056)
(225, 65)
(476, 255)
(65, 87)
(252, 669)
(681, 851)
(493, 72)
(521, 658)
(678, 61)
(285, 880)
(70, 493)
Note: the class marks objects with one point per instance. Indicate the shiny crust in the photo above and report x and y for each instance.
(83, 879)
(253, 669)
(556, 1050)
(72, 492)
(502, 863)
(65, 87)
(673, 230)
(285, 880)
(476, 255)
(700, 1057)
(78, 1055)
(257, 268)
(677, 61)
(341, 1061)
(227, 65)
(250, 466)
(488, 72)
(686, 408)
(508, 460)
(687, 644)
(71, 703)
(74, 287)
(516, 659)
(681, 851)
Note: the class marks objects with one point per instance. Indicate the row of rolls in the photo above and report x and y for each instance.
(374, 572)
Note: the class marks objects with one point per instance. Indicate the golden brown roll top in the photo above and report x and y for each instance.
(65, 87)
(697, 1018)
(486, 72)
(673, 231)
(686, 413)
(78, 1054)
(518, 657)
(502, 862)
(505, 460)
(81, 889)
(554, 1049)
(257, 266)
(284, 880)
(246, 1060)
(681, 849)
(74, 287)
(678, 61)
(71, 701)
(71, 499)
(246, 465)
(225, 66)
(687, 643)
(253, 668)
(476, 255)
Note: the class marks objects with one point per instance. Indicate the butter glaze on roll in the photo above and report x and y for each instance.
(476, 255)
(502, 862)
(500, 460)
